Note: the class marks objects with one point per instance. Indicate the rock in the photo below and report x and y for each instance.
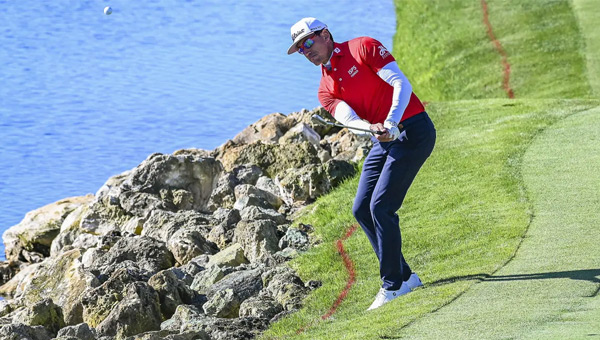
(305, 116)
(257, 238)
(152, 183)
(172, 292)
(285, 287)
(304, 184)
(91, 256)
(231, 256)
(8, 270)
(161, 224)
(302, 132)
(221, 236)
(267, 184)
(111, 189)
(17, 282)
(184, 315)
(134, 226)
(170, 335)
(243, 190)
(137, 312)
(247, 174)
(20, 332)
(223, 196)
(244, 284)
(236, 329)
(347, 146)
(207, 278)
(294, 238)
(61, 279)
(149, 254)
(338, 170)
(257, 213)
(272, 158)
(223, 304)
(268, 129)
(42, 313)
(80, 331)
(186, 244)
(264, 307)
(39, 228)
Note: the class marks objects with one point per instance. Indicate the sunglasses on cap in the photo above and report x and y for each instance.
(308, 43)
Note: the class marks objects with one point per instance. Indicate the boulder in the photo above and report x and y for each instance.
(152, 184)
(149, 254)
(272, 158)
(338, 170)
(253, 213)
(171, 335)
(184, 315)
(304, 184)
(20, 331)
(261, 306)
(268, 129)
(257, 238)
(8, 270)
(61, 279)
(247, 174)
(161, 224)
(186, 244)
(347, 146)
(285, 287)
(294, 238)
(137, 312)
(223, 195)
(305, 116)
(207, 278)
(243, 284)
(42, 313)
(243, 190)
(302, 132)
(231, 256)
(223, 304)
(172, 292)
(39, 228)
(80, 331)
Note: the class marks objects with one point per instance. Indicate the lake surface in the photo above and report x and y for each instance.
(85, 96)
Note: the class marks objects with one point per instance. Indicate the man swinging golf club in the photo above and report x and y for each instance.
(362, 87)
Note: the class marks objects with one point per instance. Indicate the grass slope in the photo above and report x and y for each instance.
(588, 13)
(550, 289)
(443, 48)
(465, 215)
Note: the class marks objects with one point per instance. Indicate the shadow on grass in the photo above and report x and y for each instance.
(591, 275)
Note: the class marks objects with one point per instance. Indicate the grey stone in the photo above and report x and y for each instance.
(20, 332)
(80, 331)
(186, 244)
(264, 307)
(207, 278)
(258, 238)
(172, 292)
(294, 238)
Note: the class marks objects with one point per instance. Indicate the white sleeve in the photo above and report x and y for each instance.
(402, 90)
(346, 116)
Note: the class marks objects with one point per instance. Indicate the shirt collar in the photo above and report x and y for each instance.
(338, 51)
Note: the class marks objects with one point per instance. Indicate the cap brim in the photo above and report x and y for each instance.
(294, 48)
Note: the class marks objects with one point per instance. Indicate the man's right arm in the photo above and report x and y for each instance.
(342, 112)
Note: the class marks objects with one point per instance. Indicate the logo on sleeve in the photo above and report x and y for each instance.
(353, 71)
(383, 52)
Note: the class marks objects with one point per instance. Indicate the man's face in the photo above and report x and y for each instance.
(316, 52)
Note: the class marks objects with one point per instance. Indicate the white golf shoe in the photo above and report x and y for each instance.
(413, 282)
(384, 296)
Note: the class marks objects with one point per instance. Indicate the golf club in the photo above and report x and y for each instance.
(318, 119)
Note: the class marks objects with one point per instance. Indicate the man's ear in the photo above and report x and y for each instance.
(328, 35)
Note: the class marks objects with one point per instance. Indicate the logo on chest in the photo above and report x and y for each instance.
(353, 71)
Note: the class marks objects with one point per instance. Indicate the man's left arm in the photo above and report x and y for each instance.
(402, 91)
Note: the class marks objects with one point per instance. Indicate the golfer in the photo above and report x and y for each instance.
(362, 87)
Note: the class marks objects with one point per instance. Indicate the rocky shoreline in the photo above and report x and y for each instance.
(190, 245)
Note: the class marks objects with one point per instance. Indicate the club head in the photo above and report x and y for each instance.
(319, 120)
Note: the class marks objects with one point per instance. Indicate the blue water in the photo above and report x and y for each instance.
(85, 96)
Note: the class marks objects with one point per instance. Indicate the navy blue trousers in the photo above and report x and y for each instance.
(387, 173)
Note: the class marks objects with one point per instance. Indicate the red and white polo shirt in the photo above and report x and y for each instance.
(353, 79)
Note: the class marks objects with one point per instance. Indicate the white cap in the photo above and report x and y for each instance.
(302, 29)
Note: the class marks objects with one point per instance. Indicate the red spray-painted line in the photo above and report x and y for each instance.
(500, 49)
(351, 277)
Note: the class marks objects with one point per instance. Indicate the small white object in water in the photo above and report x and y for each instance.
(107, 10)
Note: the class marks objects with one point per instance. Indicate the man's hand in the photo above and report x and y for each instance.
(384, 137)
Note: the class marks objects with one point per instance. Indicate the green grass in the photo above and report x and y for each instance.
(588, 13)
(443, 48)
(475, 211)
(465, 215)
(549, 290)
